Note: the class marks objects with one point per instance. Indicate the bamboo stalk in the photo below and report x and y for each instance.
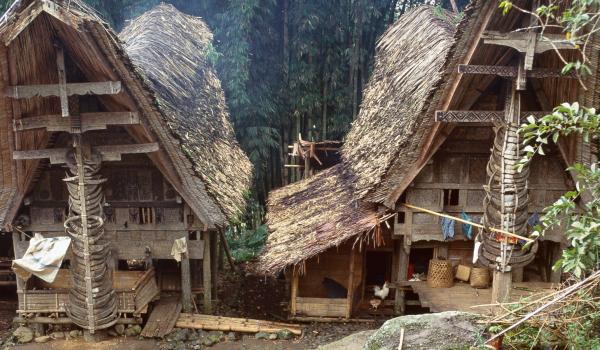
(467, 222)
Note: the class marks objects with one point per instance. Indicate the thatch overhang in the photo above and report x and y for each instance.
(30, 29)
(310, 216)
(313, 215)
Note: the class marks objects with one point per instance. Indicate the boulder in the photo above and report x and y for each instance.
(120, 329)
(42, 339)
(261, 335)
(23, 334)
(354, 341)
(441, 331)
(76, 333)
(133, 330)
(231, 336)
(57, 335)
(285, 335)
(273, 336)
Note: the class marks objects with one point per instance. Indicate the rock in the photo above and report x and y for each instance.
(442, 331)
(178, 334)
(231, 336)
(284, 335)
(42, 339)
(273, 336)
(133, 330)
(192, 335)
(261, 335)
(120, 329)
(208, 341)
(112, 333)
(352, 342)
(57, 335)
(76, 333)
(23, 334)
(170, 345)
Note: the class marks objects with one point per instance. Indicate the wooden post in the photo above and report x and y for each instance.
(403, 251)
(213, 264)
(294, 293)
(501, 286)
(206, 274)
(186, 283)
(517, 274)
(350, 294)
(307, 165)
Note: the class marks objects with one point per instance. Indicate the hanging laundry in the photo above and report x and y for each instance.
(42, 258)
(447, 228)
(466, 228)
(533, 220)
(179, 248)
(476, 252)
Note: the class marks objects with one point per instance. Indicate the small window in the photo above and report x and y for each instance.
(401, 217)
(146, 216)
(451, 197)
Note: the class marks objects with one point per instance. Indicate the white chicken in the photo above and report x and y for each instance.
(382, 292)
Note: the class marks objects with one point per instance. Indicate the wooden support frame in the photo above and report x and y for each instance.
(109, 153)
(207, 273)
(294, 292)
(512, 71)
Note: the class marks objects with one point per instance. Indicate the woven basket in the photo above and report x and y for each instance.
(463, 273)
(440, 274)
(480, 277)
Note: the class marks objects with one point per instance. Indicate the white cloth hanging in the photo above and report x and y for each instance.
(42, 258)
(179, 248)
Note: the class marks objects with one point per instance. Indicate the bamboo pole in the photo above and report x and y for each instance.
(467, 222)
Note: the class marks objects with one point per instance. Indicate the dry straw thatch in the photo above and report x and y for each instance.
(311, 216)
(171, 49)
(167, 80)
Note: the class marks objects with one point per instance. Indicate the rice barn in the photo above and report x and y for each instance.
(122, 143)
(434, 143)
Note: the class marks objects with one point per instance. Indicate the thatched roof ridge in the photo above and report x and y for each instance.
(192, 127)
(310, 216)
(171, 50)
(409, 67)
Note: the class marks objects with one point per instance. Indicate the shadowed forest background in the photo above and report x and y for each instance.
(288, 68)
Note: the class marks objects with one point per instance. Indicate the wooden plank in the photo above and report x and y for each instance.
(206, 274)
(481, 116)
(89, 121)
(230, 324)
(501, 286)
(109, 153)
(512, 71)
(163, 318)
(46, 90)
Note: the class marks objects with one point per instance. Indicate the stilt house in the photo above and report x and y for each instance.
(124, 144)
(438, 116)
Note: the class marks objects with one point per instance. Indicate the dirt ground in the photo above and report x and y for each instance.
(239, 295)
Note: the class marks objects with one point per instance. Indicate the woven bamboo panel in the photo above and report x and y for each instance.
(325, 307)
(440, 274)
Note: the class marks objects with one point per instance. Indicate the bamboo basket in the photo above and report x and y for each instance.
(440, 274)
(463, 273)
(480, 277)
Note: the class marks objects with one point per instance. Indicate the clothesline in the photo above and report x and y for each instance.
(467, 222)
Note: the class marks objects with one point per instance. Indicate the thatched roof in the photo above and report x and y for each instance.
(313, 215)
(180, 100)
(171, 50)
(408, 70)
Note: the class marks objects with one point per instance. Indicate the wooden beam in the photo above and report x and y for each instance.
(45, 90)
(403, 251)
(206, 274)
(62, 82)
(512, 71)
(520, 41)
(109, 153)
(89, 121)
(480, 116)
(350, 294)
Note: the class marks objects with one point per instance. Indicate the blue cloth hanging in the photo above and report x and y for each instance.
(447, 228)
(466, 228)
(534, 219)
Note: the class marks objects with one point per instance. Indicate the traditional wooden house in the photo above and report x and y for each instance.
(441, 106)
(138, 124)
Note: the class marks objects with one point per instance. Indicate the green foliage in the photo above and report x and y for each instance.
(581, 221)
(246, 243)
